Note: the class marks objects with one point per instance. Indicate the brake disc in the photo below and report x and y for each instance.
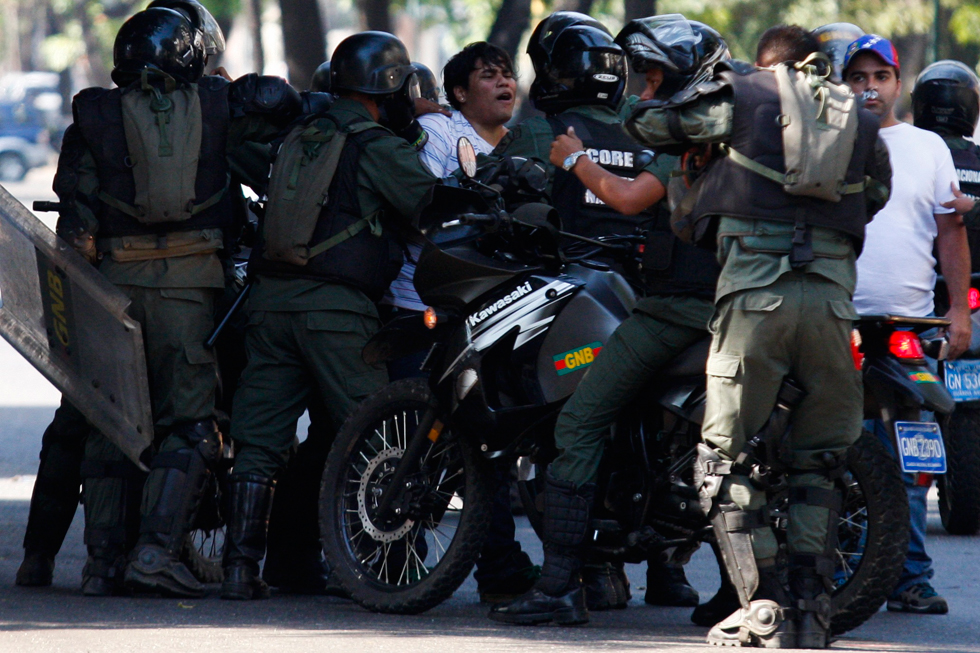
(369, 488)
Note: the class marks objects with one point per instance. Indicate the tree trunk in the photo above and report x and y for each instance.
(581, 6)
(254, 9)
(376, 15)
(304, 39)
(639, 9)
(94, 50)
(513, 19)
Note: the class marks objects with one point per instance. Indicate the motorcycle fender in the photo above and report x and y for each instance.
(901, 378)
(402, 336)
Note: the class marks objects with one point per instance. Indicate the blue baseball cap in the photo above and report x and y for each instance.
(879, 45)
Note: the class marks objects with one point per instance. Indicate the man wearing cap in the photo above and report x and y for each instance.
(896, 270)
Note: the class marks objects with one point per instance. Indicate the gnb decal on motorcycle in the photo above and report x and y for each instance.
(576, 358)
(503, 302)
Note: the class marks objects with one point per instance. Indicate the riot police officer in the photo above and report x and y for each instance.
(143, 179)
(61, 471)
(833, 40)
(576, 62)
(309, 322)
(946, 100)
(783, 307)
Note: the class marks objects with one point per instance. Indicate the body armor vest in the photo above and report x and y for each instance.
(967, 162)
(669, 266)
(365, 261)
(98, 114)
(732, 190)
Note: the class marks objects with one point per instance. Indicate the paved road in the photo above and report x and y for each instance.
(60, 619)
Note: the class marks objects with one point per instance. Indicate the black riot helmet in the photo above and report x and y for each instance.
(428, 86)
(158, 39)
(320, 82)
(576, 62)
(834, 39)
(375, 63)
(946, 99)
(201, 19)
(685, 50)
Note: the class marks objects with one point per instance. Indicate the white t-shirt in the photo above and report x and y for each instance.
(439, 155)
(897, 270)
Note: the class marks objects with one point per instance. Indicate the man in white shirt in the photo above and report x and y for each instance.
(481, 88)
(896, 270)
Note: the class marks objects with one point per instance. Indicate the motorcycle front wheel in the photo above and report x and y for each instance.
(419, 554)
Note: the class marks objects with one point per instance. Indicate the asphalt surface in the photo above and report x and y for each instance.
(60, 619)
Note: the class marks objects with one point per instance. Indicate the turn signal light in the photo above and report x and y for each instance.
(905, 344)
(430, 318)
(973, 297)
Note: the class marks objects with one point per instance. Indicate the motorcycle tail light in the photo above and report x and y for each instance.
(906, 345)
(430, 318)
(856, 354)
(973, 297)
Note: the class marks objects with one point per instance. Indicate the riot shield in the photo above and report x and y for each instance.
(71, 324)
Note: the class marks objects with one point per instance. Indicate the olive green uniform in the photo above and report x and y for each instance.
(771, 321)
(172, 298)
(306, 336)
(660, 328)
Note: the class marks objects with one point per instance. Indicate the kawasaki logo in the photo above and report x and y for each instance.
(576, 358)
(500, 304)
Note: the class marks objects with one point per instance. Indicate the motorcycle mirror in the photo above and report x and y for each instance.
(466, 154)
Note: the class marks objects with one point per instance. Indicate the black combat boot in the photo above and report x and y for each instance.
(559, 594)
(812, 601)
(667, 585)
(173, 491)
(606, 586)
(55, 497)
(102, 574)
(250, 498)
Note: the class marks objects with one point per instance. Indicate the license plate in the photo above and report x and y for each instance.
(963, 379)
(920, 447)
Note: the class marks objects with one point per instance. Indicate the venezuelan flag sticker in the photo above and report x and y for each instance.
(576, 358)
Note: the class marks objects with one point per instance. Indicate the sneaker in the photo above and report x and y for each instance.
(921, 598)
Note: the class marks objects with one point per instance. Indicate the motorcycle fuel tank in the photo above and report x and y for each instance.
(576, 337)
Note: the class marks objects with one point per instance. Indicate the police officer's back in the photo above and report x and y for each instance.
(312, 307)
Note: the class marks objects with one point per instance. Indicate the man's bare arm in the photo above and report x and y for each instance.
(954, 258)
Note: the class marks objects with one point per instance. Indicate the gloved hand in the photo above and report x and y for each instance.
(84, 244)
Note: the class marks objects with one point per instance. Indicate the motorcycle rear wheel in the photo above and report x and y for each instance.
(873, 531)
(414, 563)
(959, 487)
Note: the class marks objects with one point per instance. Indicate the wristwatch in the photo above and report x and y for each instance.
(570, 160)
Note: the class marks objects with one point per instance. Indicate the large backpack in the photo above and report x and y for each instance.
(819, 125)
(299, 190)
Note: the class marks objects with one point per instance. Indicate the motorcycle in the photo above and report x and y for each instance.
(959, 487)
(512, 325)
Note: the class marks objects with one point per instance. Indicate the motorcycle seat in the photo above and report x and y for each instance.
(691, 361)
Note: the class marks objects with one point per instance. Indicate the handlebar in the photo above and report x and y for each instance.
(42, 205)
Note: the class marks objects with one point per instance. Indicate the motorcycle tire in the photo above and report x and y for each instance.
(873, 533)
(959, 487)
(417, 562)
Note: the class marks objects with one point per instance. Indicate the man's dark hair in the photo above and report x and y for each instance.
(785, 43)
(458, 68)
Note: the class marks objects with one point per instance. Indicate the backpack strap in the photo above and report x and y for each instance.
(779, 177)
(373, 221)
